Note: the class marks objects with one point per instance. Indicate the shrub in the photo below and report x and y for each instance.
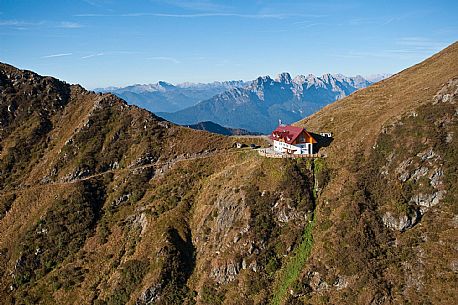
(132, 273)
(59, 234)
(211, 295)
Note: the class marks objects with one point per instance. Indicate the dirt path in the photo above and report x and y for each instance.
(161, 165)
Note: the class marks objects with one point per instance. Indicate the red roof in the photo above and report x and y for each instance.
(288, 133)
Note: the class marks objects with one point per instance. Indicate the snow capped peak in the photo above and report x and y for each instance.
(145, 88)
(328, 76)
(299, 79)
(312, 79)
(341, 77)
(165, 84)
(222, 84)
(284, 77)
(309, 80)
(260, 82)
(264, 78)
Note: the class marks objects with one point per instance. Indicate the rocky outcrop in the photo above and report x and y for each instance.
(227, 272)
(150, 295)
(401, 223)
(286, 212)
(448, 93)
(228, 208)
(426, 201)
(426, 165)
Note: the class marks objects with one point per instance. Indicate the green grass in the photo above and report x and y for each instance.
(293, 268)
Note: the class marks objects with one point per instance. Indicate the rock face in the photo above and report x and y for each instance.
(402, 223)
(422, 172)
(259, 105)
(226, 273)
(448, 93)
(150, 295)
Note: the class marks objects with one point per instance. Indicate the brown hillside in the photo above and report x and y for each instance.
(387, 219)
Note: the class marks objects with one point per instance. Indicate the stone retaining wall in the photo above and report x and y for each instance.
(269, 154)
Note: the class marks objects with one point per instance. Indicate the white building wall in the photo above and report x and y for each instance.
(281, 147)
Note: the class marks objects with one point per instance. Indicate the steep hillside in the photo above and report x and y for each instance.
(104, 203)
(70, 158)
(259, 105)
(387, 221)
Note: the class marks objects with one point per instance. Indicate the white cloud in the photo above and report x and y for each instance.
(93, 55)
(404, 48)
(165, 58)
(387, 53)
(98, 3)
(199, 15)
(70, 25)
(57, 55)
(421, 43)
(199, 5)
(20, 23)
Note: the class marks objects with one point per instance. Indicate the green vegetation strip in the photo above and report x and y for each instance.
(294, 267)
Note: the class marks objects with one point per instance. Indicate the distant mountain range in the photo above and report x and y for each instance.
(255, 106)
(377, 77)
(259, 105)
(166, 97)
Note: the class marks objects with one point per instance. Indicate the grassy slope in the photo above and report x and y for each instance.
(350, 240)
(290, 273)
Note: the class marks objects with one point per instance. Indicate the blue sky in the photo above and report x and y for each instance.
(103, 42)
